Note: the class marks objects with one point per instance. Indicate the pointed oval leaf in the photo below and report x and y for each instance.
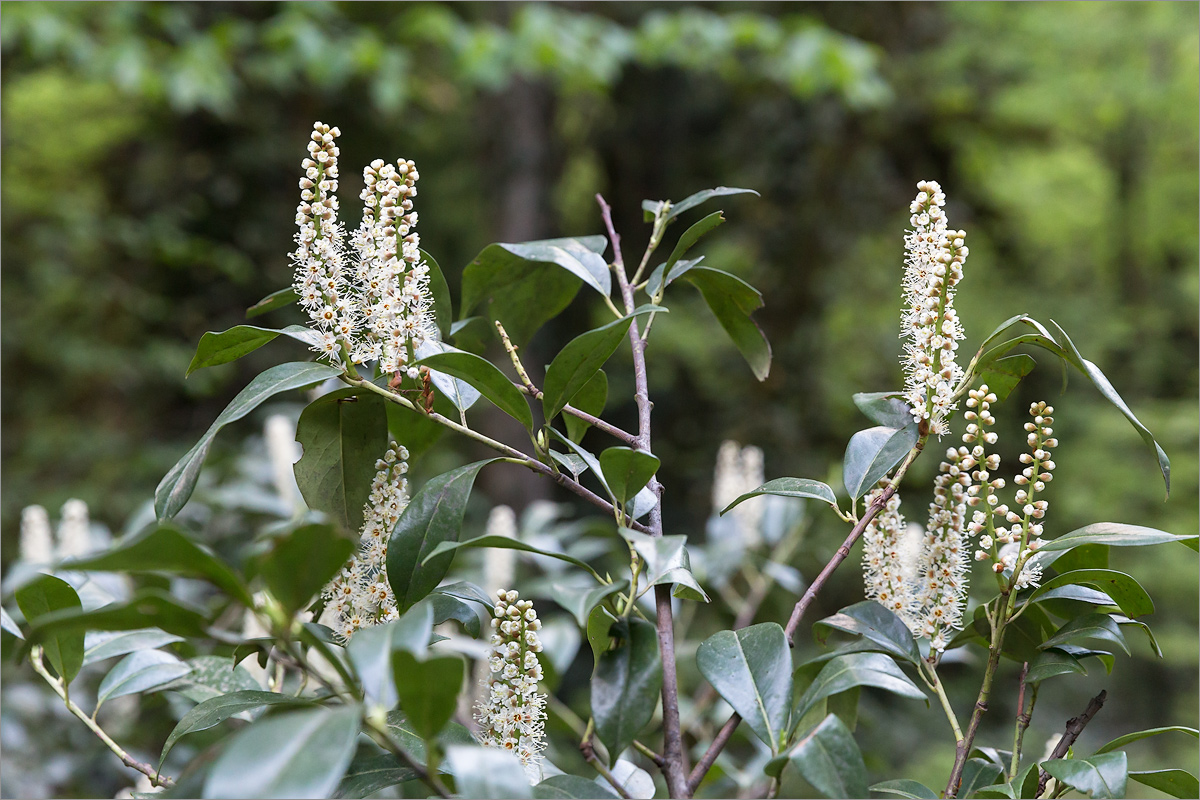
(828, 758)
(627, 471)
(9, 625)
(302, 561)
(434, 515)
(1123, 589)
(298, 754)
(856, 669)
(789, 487)
(278, 299)
(1115, 534)
(428, 690)
(978, 773)
(580, 602)
(487, 772)
(590, 399)
(693, 200)
(666, 560)
(871, 454)
(176, 486)
(99, 645)
(626, 684)
(147, 608)
(366, 775)
(216, 710)
(1088, 627)
(486, 378)
(751, 669)
(370, 650)
(1051, 663)
(1003, 374)
(230, 345)
(1102, 776)
(1121, 741)
(732, 301)
(884, 408)
(140, 672)
(875, 624)
(506, 543)
(1175, 782)
(43, 599)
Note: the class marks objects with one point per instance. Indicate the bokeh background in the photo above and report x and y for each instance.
(149, 165)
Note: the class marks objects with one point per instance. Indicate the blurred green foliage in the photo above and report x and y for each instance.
(148, 182)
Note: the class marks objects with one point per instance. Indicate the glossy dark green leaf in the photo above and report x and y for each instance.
(278, 299)
(590, 399)
(691, 236)
(486, 378)
(319, 745)
(1115, 534)
(874, 623)
(487, 772)
(626, 684)
(533, 282)
(506, 543)
(1089, 627)
(367, 775)
(667, 561)
(1124, 590)
(428, 690)
(439, 290)
(147, 608)
(230, 345)
(139, 672)
(370, 650)
(99, 645)
(1137, 623)
(465, 590)
(581, 601)
(599, 623)
(302, 561)
(1002, 375)
(1103, 656)
(45, 598)
(1051, 663)
(446, 608)
(399, 726)
(662, 277)
(751, 669)
(582, 358)
(627, 470)
(732, 301)
(1128, 738)
(176, 486)
(802, 488)
(856, 669)
(165, 548)
(828, 758)
(976, 774)
(1175, 782)
(434, 515)
(1023, 637)
(216, 710)
(342, 436)
(906, 788)
(1102, 776)
(570, 787)
(871, 454)
(884, 408)
(693, 200)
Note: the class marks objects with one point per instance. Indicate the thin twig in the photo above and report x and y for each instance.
(589, 755)
(384, 738)
(511, 349)
(35, 657)
(1024, 715)
(1075, 726)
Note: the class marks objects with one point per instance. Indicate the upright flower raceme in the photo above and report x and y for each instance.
(739, 470)
(378, 306)
(513, 716)
(930, 325)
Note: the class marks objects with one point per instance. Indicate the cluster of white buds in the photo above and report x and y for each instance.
(360, 594)
(513, 716)
(944, 564)
(380, 310)
(930, 325)
(739, 470)
(886, 572)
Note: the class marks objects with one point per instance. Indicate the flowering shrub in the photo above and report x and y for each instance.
(355, 621)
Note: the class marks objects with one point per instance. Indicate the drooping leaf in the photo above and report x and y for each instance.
(277, 299)
(1002, 375)
(884, 408)
(1051, 663)
(570, 787)
(874, 623)
(99, 645)
(230, 345)
(370, 650)
(342, 437)
(428, 690)
(447, 607)
(297, 754)
(591, 400)
(214, 711)
(434, 515)
(732, 301)
(627, 471)
(1128, 738)
(828, 758)
(906, 788)
(44, 598)
(693, 200)
(1088, 627)
(507, 543)
(803, 488)
(1123, 589)
(667, 561)
(582, 358)
(486, 378)
(1115, 534)
(871, 454)
(439, 291)
(599, 623)
(662, 276)
(176, 486)
(1120, 620)
(751, 669)
(1102, 776)
(302, 561)
(1175, 782)
(487, 772)
(626, 684)
(139, 672)
(580, 602)
(856, 669)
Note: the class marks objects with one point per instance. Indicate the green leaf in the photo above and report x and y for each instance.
(1088, 627)
(42, 599)
(906, 788)
(428, 690)
(1099, 776)
(570, 787)
(599, 622)
(590, 399)
(140, 672)
(732, 301)
(9, 625)
(1175, 782)
(446, 607)
(978, 773)
(342, 436)
(439, 290)
(666, 560)
(789, 487)
(147, 608)
(176, 486)
(487, 772)
(100, 645)
(465, 590)
(366, 775)
(402, 729)
(1003, 374)
(507, 543)
(298, 754)
(1128, 738)
(751, 669)
(278, 299)
(533, 282)
(691, 236)
(626, 684)
(1051, 663)
(370, 650)
(627, 470)
(1126, 592)
(871, 454)
(213, 676)
(216, 710)
(828, 758)
(691, 201)
(581, 359)
(165, 548)
(458, 393)
(485, 378)
(1115, 534)
(884, 408)
(856, 669)
(662, 277)
(434, 515)
(874, 623)
(580, 602)
(302, 561)
(221, 348)
(1120, 620)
